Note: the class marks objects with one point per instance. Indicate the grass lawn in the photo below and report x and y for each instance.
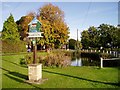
(14, 75)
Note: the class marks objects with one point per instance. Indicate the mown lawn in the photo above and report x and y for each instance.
(14, 76)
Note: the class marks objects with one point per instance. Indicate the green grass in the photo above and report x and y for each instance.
(14, 76)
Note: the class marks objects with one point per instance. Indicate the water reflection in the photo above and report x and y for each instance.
(85, 62)
(91, 59)
(76, 62)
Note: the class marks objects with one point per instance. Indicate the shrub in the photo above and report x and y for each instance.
(27, 60)
(58, 59)
(105, 55)
(41, 59)
(22, 61)
(10, 46)
(67, 53)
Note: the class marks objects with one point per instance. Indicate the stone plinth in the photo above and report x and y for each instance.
(35, 72)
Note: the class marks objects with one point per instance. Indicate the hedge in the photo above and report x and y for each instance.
(9, 46)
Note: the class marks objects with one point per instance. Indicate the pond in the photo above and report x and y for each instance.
(85, 62)
(84, 59)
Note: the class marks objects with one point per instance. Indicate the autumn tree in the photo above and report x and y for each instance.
(23, 24)
(10, 30)
(53, 25)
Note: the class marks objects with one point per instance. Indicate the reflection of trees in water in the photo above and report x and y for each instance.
(89, 62)
(85, 60)
(111, 63)
(76, 55)
(91, 59)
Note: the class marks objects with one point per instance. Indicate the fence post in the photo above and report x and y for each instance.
(101, 62)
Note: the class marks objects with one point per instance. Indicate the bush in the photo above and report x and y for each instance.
(27, 60)
(9, 46)
(22, 61)
(58, 59)
(105, 55)
(67, 53)
(41, 59)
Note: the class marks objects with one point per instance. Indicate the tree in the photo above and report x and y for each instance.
(85, 40)
(72, 44)
(115, 37)
(93, 36)
(51, 13)
(118, 37)
(23, 24)
(53, 25)
(10, 30)
(106, 36)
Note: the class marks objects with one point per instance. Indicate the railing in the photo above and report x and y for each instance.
(101, 61)
(114, 53)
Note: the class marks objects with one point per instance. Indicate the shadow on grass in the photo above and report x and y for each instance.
(115, 84)
(16, 74)
(119, 74)
(17, 77)
(15, 63)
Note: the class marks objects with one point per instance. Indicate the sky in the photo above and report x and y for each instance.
(78, 15)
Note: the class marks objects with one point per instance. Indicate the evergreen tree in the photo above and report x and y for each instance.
(10, 30)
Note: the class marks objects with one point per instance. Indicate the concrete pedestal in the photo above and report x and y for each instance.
(34, 72)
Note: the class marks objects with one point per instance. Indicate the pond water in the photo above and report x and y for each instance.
(85, 62)
(92, 60)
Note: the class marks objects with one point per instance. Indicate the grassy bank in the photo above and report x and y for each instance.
(14, 75)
